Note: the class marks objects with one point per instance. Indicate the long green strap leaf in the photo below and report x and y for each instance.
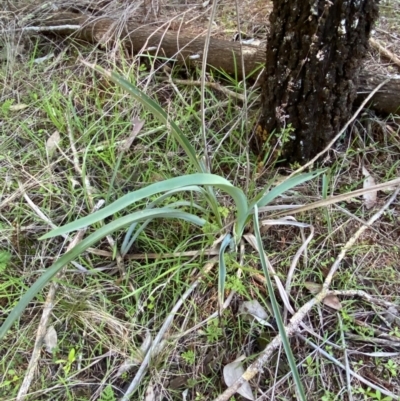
(128, 240)
(276, 309)
(222, 270)
(167, 185)
(154, 108)
(285, 186)
(82, 246)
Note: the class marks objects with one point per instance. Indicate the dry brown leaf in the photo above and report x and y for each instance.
(234, 371)
(52, 143)
(370, 197)
(314, 288)
(330, 300)
(18, 107)
(50, 339)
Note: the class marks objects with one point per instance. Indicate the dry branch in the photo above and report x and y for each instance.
(293, 326)
(188, 50)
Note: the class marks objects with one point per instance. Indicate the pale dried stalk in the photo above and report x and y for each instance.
(351, 372)
(342, 197)
(54, 28)
(212, 85)
(297, 319)
(203, 83)
(43, 324)
(41, 332)
(366, 296)
(160, 335)
(251, 239)
(385, 52)
(374, 340)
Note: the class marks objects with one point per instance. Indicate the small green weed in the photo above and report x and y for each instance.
(4, 259)
(108, 394)
(189, 357)
(67, 364)
(213, 331)
(392, 367)
(368, 394)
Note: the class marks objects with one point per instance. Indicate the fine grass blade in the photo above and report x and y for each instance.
(276, 309)
(82, 246)
(154, 108)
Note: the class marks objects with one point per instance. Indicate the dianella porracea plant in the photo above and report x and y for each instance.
(202, 182)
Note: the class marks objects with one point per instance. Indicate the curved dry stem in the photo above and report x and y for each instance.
(297, 319)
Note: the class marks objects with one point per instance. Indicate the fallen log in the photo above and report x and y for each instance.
(188, 50)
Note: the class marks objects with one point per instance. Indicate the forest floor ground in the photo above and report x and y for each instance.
(61, 130)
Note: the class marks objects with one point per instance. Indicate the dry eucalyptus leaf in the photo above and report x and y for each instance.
(50, 339)
(52, 143)
(314, 288)
(370, 197)
(150, 394)
(18, 107)
(232, 372)
(330, 300)
(254, 309)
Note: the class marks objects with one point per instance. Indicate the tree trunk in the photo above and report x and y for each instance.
(314, 54)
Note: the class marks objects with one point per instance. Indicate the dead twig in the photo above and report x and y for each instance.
(160, 335)
(297, 319)
(38, 29)
(385, 52)
(342, 197)
(351, 372)
(43, 324)
(212, 85)
(41, 332)
(366, 296)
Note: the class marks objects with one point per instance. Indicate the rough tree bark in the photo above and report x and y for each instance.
(314, 54)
